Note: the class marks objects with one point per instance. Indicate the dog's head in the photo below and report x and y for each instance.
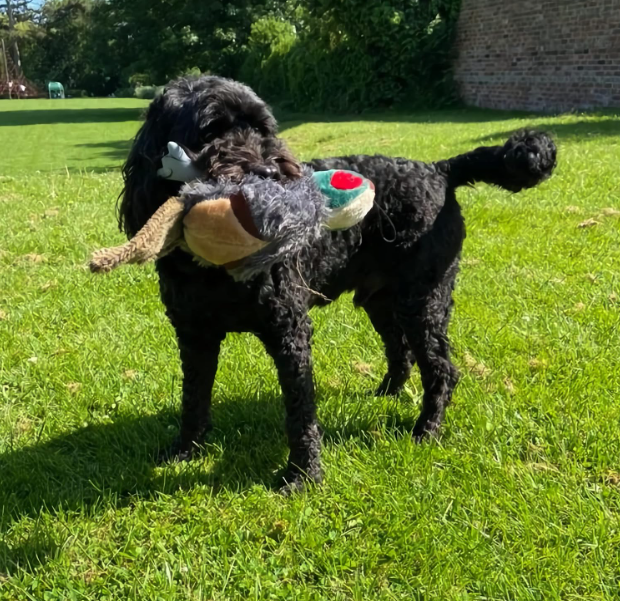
(225, 128)
(242, 151)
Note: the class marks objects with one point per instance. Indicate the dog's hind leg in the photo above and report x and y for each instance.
(287, 339)
(424, 315)
(380, 310)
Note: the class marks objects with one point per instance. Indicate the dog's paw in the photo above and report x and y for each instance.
(293, 480)
(178, 451)
(394, 380)
(389, 387)
(426, 428)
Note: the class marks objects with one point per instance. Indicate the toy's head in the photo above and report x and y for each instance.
(246, 227)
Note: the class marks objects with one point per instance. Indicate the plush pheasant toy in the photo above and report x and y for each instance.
(244, 227)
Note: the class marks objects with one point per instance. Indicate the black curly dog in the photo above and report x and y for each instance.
(401, 261)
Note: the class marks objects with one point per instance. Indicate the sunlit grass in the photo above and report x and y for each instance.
(518, 499)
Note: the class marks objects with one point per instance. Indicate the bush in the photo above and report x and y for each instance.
(125, 93)
(270, 41)
(193, 72)
(351, 55)
(148, 92)
(139, 79)
(76, 93)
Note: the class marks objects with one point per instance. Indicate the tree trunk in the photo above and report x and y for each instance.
(13, 47)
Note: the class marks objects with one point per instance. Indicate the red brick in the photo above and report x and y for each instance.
(549, 55)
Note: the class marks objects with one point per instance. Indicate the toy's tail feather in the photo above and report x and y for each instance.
(527, 159)
(161, 233)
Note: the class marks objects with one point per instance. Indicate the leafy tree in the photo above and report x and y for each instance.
(17, 27)
(358, 54)
(313, 54)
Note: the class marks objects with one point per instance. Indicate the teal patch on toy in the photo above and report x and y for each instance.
(349, 197)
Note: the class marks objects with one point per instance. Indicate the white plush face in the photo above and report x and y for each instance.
(349, 215)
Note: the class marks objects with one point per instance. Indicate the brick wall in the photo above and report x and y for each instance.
(539, 54)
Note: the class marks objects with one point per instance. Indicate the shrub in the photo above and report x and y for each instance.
(76, 93)
(124, 93)
(351, 55)
(148, 92)
(139, 79)
(265, 64)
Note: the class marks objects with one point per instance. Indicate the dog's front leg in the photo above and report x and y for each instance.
(288, 340)
(199, 356)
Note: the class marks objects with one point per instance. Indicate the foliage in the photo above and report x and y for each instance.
(76, 93)
(127, 92)
(519, 498)
(356, 54)
(312, 54)
(147, 92)
(271, 39)
(67, 48)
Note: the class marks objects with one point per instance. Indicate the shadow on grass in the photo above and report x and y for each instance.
(116, 150)
(51, 116)
(115, 464)
(288, 120)
(93, 468)
(581, 130)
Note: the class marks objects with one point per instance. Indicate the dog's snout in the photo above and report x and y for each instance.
(266, 171)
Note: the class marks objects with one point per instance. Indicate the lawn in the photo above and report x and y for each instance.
(519, 498)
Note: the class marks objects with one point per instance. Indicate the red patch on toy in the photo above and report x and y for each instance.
(341, 180)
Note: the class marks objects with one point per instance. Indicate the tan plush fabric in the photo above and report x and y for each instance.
(210, 230)
(213, 232)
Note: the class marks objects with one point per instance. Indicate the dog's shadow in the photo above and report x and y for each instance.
(119, 459)
(115, 464)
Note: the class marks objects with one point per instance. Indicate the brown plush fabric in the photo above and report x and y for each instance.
(161, 234)
(214, 230)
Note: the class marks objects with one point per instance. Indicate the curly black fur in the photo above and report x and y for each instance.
(401, 261)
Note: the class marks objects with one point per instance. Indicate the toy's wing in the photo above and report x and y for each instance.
(160, 235)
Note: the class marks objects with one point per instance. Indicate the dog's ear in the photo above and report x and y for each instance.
(143, 192)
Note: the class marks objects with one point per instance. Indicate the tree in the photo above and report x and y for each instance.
(17, 25)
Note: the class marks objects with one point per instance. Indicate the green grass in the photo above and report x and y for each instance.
(75, 135)
(518, 499)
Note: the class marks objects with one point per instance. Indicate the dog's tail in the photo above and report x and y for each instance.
(527, 159)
